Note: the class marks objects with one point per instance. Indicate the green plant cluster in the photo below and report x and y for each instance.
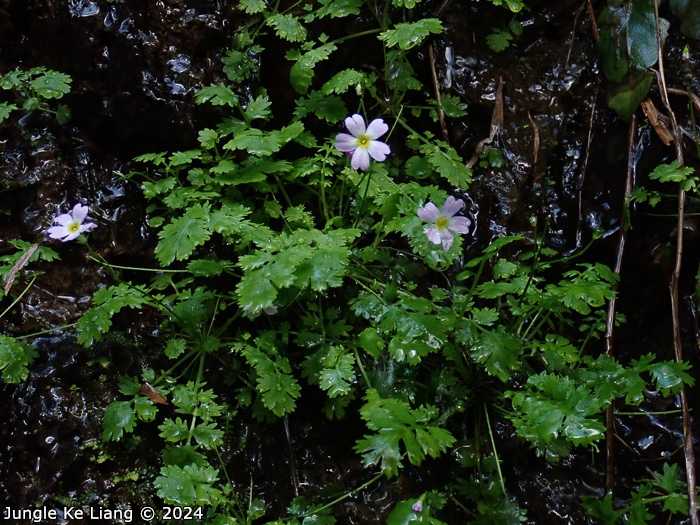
(287, 273)
(36, 88)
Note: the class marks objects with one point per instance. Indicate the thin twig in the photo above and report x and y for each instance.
(584, 168)
(594, 23)
(496, 125)
(610, 322)
(675, 279)
(436, 87)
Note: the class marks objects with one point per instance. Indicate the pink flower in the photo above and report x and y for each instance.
(362, 142)
(444, 221)
(71, 224)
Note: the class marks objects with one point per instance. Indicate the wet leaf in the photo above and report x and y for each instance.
(119, 417)
(302, 72)
(339, 8)
(287, 27)
(410, 34)
(51, 84)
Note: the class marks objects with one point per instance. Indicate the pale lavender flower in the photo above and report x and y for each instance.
(362, 143)
(444, 222)
(71, 225)
(417, 506)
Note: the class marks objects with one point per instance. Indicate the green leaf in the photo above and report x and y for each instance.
(302, 72)
(208, 435)
(192, 485)
(396, 423)
(672, 172)
(6, 109)
(218, 96)
(339, 8)
(338, 372)
(119, 417)
(330, 108)
(184, 157)
(252, 6)
(452, 105)
(107, 302)
(255, 142)
(63, 114)
(602, 509)
(15, 356)
(279, 389)
(258, 108)
(447, 162)
(499, 40)
(626, 99)
(287, 27)
(174, 431)
(409, 34)
(208, 138)
(51, 84)
(208, 267)
(175, 347)
(182, 235)
(342, 81)
(499, 353)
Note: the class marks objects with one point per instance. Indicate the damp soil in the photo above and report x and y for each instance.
(135, 70)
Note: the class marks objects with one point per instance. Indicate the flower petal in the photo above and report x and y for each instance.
(429, 212)
(345, 142)
(64, 219)
(378, 150)
(434, 235)
(459, 224)
(355, 125)
(452, 206)
(57, 232)
(360, 159)
(377, 128)
(87, 226)
(447, 239)
(80, 212)
(72, 236)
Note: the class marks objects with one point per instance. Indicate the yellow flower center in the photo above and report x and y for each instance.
(363, 141)
(73, 227)
(442, 223)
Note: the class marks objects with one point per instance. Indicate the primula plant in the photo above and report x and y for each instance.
(288, 271)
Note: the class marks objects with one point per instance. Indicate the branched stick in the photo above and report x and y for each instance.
(688, 450)
(610, 321)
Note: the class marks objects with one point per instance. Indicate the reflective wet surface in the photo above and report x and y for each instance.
(134, 73)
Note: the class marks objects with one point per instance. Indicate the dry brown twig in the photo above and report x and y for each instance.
(496, 124)
(438, 98)
(688, 449)
(610, 319)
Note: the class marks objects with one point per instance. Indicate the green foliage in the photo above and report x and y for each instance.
(665, 487)
(410, 34)
(278, 263)
(395, 424)
(36, 87)
(628, 48)
(15, 357)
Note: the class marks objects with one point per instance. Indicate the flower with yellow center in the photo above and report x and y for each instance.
(444, 223)
(70, 225)
(362, 143)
